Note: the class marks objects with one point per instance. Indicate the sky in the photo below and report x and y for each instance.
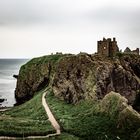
(32, 28)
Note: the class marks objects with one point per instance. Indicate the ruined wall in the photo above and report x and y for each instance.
(128, 51)
(136, 51)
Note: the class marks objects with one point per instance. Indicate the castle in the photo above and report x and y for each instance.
(109, 48)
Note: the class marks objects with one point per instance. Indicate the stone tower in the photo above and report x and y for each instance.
(107, 47)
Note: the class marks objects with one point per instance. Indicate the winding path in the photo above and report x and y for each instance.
(51, 117)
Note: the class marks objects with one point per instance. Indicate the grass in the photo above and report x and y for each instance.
(96, 119)
(27, 119)
(84, 120)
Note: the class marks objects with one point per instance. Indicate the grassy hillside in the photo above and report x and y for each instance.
(85, 120)
(27, 119)
(94, 120)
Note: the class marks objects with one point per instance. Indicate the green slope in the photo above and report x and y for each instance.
(27, 119)
(85, 120)
(95, 120)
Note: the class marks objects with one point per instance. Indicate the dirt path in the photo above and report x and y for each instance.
(52, 119)
(50, 115)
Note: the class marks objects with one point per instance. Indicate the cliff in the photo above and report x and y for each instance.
(81, 77)
(34, 76)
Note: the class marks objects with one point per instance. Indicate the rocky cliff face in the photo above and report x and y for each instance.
(86, 76)
(75, 79)
(82, 76)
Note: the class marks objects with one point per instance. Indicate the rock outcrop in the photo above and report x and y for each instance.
(15, 76)
(75, 79)
(116, 106)
(83, 76)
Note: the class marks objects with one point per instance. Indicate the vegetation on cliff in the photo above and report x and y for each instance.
(34, 76)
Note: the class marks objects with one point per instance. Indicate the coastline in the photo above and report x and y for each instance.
(9, 69)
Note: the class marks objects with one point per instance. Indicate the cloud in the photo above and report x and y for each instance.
(62, 11)
(37, 27)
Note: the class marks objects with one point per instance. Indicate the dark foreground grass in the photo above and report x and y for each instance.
(85, 121)
(27, 119)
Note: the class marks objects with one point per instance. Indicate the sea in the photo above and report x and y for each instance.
(8, 68)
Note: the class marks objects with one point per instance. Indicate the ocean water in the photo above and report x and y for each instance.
(9, 67)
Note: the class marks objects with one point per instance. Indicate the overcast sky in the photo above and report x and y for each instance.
(31, 28)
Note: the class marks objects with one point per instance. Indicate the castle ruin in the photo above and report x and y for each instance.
(128, 51)
(107, 47)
